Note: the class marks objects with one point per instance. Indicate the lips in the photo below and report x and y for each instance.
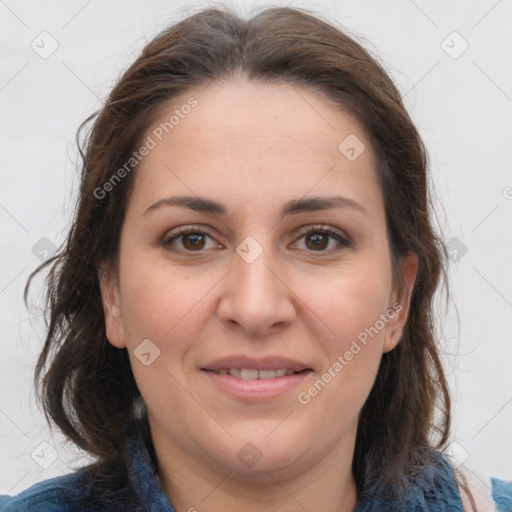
(254, 373)
(238, 366)
(252, 379)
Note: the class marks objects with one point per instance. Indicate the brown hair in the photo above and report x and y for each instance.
(88, 389)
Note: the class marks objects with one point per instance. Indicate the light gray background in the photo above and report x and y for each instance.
(461, 105)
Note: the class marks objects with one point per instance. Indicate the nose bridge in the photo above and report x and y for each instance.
(255, 280)
(254, 297)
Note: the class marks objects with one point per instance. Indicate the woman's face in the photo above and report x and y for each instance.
(285, 270)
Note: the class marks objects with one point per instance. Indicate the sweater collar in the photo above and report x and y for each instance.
(432, 487)
(142, 471)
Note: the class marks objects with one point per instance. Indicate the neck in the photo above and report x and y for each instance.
(192, 485)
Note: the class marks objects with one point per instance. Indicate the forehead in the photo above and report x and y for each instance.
(239, 135)
(236, 111)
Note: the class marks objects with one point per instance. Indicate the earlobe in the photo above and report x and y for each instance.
(111, 300)
(396, 325)
(392, 339)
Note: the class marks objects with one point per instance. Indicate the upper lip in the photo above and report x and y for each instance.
(264, 363)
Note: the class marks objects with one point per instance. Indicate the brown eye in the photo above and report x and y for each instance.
(318, 239)
(193, 241)
(188, 240)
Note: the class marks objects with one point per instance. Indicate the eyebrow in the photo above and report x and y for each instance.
(292, 207)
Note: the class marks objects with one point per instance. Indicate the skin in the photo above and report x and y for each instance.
(253, 147)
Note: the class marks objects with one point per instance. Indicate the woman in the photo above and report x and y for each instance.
(241, 317)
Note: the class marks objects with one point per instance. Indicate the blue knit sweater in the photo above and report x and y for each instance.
(137, 488)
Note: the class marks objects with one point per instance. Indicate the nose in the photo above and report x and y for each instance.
(256, 297)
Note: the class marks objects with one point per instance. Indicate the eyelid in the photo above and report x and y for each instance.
(343, 239)
(184, 230)
(304, 230)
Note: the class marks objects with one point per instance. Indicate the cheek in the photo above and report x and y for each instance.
(170, 308)
(165, 304)
(350, 332)
(349, 302)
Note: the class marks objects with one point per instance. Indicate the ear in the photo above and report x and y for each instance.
(111, 299)
(398, 309)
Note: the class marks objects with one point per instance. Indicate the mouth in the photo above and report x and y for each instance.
(255, 374)
(252, 379)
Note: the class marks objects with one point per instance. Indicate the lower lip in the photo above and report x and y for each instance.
(257, 389)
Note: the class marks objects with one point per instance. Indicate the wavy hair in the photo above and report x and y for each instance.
(85, 385)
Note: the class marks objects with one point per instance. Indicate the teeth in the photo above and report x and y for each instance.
(251, 374)
(254, 374)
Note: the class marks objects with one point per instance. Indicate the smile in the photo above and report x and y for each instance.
(251, 384)
(254, 374)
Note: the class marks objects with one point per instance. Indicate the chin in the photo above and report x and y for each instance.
(264, 459)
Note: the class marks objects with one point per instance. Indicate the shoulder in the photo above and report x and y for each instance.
(437, 482)
(488, 494)
(60, 494)
(502, 494)
(79, 491)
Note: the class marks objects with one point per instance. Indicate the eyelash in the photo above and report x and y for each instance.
(343, 241)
